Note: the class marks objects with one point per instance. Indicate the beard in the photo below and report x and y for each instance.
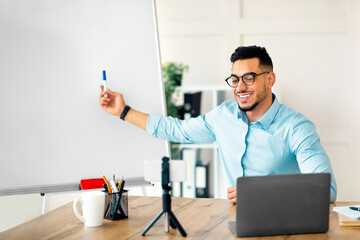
(262, 95)
(249, 108)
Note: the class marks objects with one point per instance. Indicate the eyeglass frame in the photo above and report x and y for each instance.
(242, 78)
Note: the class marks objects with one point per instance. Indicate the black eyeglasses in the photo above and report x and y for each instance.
(248, 79)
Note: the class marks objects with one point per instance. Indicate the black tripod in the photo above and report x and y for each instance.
(165, 181)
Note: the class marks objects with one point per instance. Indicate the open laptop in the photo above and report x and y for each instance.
(282, 204)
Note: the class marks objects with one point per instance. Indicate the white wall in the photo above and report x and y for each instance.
(315, 48)
(15, 210)
(314, 45)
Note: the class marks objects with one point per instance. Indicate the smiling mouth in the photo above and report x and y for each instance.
(244, 97)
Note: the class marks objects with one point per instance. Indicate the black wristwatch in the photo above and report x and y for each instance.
(124, 112)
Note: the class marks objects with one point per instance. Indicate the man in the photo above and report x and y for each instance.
(255, 134)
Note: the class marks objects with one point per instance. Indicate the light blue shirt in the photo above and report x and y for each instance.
(283, 141)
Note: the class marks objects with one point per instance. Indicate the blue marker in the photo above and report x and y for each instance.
(104, 82)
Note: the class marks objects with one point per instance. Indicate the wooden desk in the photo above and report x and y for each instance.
(201, 219)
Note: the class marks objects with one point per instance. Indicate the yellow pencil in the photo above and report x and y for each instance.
(120, 182)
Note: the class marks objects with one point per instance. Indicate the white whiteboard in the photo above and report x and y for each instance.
(52, 53)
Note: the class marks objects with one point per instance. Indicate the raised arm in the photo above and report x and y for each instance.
(115, 104)
(194, 130)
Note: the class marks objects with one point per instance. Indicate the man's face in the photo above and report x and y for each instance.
(250, 97)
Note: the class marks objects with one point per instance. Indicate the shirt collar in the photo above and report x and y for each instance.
(268, 117)
(270, 114)
(241, 114)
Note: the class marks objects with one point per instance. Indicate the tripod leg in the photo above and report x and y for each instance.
(152, 223)
(177, 224)
(167, 221)
(172, 224)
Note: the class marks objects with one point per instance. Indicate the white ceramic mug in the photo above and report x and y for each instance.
(93, 208)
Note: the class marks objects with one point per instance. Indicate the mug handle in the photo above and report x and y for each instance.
(75, 208)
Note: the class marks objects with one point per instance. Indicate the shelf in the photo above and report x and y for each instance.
(218, 96)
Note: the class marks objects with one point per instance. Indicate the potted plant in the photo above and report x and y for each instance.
(172, 75)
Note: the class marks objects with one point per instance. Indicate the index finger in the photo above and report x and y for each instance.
(102, 94)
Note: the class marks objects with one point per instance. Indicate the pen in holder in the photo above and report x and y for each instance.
(116, 205)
